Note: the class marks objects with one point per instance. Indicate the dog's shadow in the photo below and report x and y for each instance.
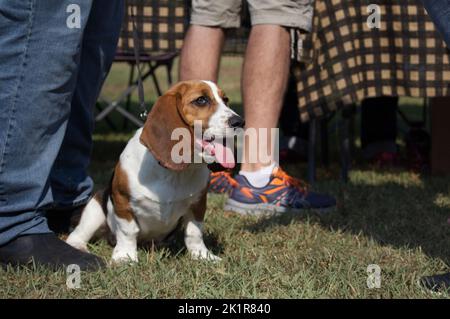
(174, 245)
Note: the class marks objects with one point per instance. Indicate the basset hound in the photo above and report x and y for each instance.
(150, 193)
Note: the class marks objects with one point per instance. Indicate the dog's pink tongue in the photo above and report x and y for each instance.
(224, 155)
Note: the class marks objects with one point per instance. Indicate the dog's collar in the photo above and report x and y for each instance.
(162, 165)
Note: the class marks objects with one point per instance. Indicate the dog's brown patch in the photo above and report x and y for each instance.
(190, 91)
(120, 194)
(199, 208)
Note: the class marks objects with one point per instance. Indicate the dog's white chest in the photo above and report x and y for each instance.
(159, 197)
(156, 220)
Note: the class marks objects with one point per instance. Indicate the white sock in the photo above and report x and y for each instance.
(261, 177)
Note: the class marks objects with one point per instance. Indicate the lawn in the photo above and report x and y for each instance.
(393, 218)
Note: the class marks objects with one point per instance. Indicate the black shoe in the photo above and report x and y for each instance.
(437, 282)
(46, 250)
(63, 221)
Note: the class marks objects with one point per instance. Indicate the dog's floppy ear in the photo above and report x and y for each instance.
(165, 116)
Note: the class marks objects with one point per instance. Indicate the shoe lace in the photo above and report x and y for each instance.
(291, 181)
(227, 176)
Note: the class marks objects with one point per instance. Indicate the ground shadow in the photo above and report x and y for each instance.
(174, 245)
(391, 214)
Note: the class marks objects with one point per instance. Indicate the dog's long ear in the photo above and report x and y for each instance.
(165, 116)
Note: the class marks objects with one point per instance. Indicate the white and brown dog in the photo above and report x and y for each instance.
(150, 193)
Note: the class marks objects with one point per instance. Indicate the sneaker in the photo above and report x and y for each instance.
(221, 182)
(283, 194)
(436, 283)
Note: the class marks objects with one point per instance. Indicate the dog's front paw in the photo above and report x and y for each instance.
(204, 255)
(77, 243)
(120, 257)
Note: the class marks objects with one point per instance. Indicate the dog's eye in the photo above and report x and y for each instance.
(201, 101)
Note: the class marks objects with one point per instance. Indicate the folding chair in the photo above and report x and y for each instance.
(160, 26)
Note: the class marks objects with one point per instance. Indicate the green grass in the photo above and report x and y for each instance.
(392, 218)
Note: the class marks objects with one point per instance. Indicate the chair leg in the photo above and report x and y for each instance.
(324, 141)
(116, 105)
(107, 120)
(345, 147)
(312, 138)
(352, 131)
(169, 66)
(154, 78)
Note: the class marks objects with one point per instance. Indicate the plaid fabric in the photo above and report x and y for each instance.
(236, 41)
(350, 62)
(161, 26)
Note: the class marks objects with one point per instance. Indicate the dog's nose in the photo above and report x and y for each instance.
(236, 121)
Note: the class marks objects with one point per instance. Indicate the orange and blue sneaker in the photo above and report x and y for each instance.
(221, 182)
(282, 194)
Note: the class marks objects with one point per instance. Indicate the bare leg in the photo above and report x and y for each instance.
(264, 82)
(200, 55)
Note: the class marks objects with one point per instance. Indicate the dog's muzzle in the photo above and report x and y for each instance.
(236, 122)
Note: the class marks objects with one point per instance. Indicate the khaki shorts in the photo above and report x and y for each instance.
(226, 13)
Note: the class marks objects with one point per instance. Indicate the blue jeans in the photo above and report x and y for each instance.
(54, 57)
(439, 12)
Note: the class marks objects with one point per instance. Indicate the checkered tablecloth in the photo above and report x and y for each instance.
(161, 26)
(349, 61)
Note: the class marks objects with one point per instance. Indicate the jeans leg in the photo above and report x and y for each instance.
(439, 11)
(39, 54)
(70, 182)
